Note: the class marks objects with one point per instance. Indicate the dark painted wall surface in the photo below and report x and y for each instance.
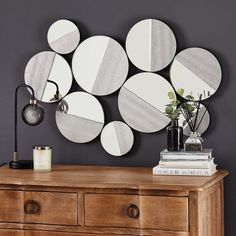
(209, 24)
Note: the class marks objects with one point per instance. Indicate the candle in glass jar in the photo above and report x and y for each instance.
(42, 156)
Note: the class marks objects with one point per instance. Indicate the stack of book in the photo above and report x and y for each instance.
(186, 163)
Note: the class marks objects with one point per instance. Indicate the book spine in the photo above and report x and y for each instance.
(187, 164)
(185, 157)
(175, 171)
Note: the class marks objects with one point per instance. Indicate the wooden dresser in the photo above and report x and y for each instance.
(93, 201)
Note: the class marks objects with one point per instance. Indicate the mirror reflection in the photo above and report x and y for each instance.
(197, 71)
(117, 138)
(50, 76)
(142, 102)
(100, 65)
(80, 117)
(151, 45)
(63, 36)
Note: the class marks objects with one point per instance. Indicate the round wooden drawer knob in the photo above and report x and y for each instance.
(32, 207)
(132, 211)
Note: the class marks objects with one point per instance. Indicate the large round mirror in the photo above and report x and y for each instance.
(80, 117)
(63, 36)
(201, 123)
(151, 45)
(142, 102)
(100, 65)
(49, 75)
(197, 72)
(117, 138)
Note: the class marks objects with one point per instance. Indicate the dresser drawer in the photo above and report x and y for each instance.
(147, 212)
(164, 213)
(51, 208)
(11, 206)
(11, 232)
(48, 233)
(109, 210)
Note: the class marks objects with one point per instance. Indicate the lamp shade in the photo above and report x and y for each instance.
(32, 114)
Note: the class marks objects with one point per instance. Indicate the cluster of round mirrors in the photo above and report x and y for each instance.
(100, 66)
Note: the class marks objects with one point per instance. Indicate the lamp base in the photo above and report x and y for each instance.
(21, 164)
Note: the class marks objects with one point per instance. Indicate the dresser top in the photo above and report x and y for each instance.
(77, 176)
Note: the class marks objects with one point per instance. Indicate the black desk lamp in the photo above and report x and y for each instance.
(32, 114)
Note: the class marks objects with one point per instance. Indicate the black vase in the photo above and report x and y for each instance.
(174, 137)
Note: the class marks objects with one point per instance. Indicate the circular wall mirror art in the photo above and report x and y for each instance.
(117, 138)
(202, 122)
(100, 65)
(63, 36)
(197, 72)
(80, 117)
(142, 101)
(50, 76)
(151, 45)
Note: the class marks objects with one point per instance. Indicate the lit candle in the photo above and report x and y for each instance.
(42, 156)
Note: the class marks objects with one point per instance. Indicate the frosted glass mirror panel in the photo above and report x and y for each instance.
(151, 45)
(142, 101)
(50, 76)
(117, 138)
(80, 117)
(63, 36)
(197, 72)
(100, 65)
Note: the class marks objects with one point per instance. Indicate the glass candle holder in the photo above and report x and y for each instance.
(42, 156)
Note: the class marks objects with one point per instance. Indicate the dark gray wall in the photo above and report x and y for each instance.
(209, 24)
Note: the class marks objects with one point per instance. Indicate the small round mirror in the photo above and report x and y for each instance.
(142, 102)
(100, 65)
(196, 72)
(49, 75)
(151, 45)
(80, 117)
(202, 122)
(63, 36)
(117, 138)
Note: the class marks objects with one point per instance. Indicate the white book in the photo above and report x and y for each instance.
(187, 164)
(157, 170)
(184, 155)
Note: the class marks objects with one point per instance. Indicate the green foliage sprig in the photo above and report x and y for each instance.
(172, 110)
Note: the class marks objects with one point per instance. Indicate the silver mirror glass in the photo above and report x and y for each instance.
(202, 122)
(49, 75)
(151, 45)
(117, 138)
(142, 101)
(100, 65)
(63, 36)
(197, 72)
(80, 117)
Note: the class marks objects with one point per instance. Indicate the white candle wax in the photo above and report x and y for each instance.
(42, 156)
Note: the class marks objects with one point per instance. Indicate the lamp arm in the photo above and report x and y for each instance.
(15, 158)
(57, 87)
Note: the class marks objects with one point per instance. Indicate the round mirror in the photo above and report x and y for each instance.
(63, 36)
(80, 117)
(117, 138)
(142, 101)
(100, 65)
(197, 72)
(49, 75)
(202, 122)
(151, 45)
